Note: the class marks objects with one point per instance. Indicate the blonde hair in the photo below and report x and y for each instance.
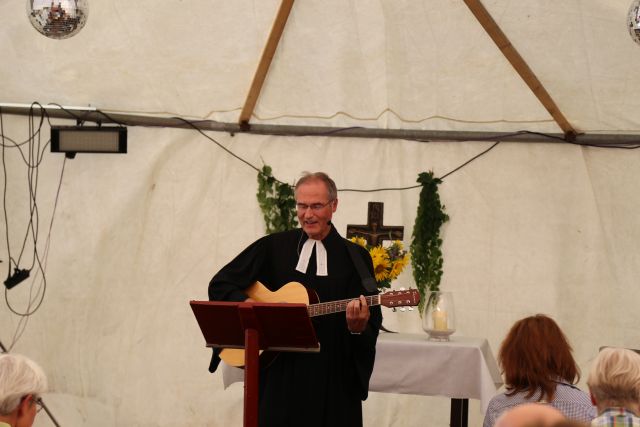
(19, 376)
(614, 378)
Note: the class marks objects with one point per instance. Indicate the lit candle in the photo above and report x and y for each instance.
(439, 320)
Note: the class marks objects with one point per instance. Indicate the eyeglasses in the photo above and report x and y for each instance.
(36, 400)
(39, 403)
(314, 206)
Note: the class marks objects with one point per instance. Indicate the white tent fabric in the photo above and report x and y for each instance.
(534, 228)
(426, 64)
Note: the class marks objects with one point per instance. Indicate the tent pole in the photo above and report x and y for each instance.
(419, 135)
(265, 61)
(509, 51)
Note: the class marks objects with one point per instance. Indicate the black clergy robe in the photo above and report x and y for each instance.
(308, 389)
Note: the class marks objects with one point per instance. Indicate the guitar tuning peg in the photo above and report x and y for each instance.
(410, 308)
(403, 309)
(402, 289)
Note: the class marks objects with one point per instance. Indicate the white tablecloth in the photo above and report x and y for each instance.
(463, 368)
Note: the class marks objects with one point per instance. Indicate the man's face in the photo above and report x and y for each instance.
(315, 209)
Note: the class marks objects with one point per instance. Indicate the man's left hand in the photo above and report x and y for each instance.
(357, 315)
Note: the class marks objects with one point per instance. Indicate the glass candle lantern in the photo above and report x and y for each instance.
(438, 318)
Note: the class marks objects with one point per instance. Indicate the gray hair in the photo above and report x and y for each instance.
(19, 376)
(614, 378)
(319, 176)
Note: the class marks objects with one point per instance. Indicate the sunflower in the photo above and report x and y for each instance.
(388, 260)
(397, 266)
(359, 241)
(380, 259)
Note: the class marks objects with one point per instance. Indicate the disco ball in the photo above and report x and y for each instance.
(58, 19)
(633, 20)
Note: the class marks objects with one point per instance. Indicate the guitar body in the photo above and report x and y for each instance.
(292, 292)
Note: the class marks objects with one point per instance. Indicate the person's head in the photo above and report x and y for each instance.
(21, 383)
(571, 423)
(316, 201)
(535, 354)
(530, 415)
(614, 379)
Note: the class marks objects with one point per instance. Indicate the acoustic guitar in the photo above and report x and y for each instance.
(294, 292)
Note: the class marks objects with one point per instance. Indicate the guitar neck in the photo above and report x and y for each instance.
(337, 306)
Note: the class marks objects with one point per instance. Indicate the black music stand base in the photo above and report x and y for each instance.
(459, 412)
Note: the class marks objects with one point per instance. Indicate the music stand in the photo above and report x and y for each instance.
(255, 326)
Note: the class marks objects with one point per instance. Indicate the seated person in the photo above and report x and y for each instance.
(530, 415)
(614, 383)
(571, 423)
(538, 366)
(21, 383)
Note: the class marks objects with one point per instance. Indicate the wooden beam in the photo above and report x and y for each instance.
(265, 61)
(512, 55)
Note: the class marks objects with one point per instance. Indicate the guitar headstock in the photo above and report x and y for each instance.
(410, 298)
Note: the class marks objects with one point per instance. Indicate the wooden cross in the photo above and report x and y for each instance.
(374, 232)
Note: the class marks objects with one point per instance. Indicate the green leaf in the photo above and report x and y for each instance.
(426, 256)
(276, 201)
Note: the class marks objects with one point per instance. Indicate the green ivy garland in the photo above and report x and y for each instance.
(426, 256)
(277, 202)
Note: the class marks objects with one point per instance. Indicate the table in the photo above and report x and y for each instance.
(461, 369)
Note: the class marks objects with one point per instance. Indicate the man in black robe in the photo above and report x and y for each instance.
(311, 389)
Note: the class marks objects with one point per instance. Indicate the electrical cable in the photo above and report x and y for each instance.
(498, 138)
(4, 190)
(468, 161)
(33, 159)
(32, 179)
(219, 145)
(79, 120)
(194, 126)
(419, 185)
(83, 118)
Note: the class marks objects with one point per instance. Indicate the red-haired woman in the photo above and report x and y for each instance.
(536, 360)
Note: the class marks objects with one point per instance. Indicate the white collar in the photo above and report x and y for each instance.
(321, 257)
